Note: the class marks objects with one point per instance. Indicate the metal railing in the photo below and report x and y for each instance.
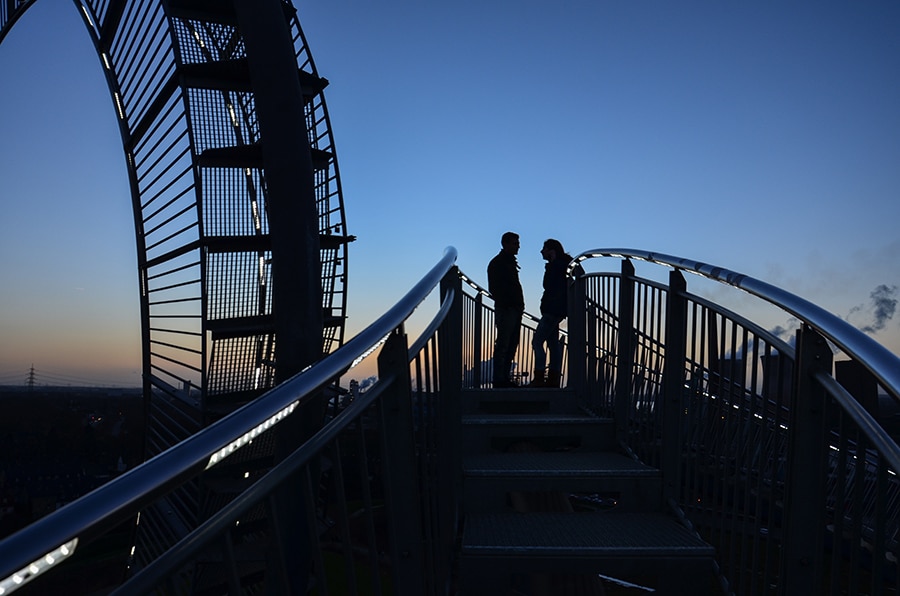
(762, 450)
(370, 493)
(479, 335)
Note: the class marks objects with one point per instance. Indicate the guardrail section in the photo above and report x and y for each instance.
(762, 450)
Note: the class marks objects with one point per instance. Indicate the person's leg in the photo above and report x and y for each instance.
(500, 362)
(537, 343)
(504, 345)
(515, 329)
(554, 345)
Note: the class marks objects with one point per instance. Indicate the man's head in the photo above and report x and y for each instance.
(552, 249)
(510, 242)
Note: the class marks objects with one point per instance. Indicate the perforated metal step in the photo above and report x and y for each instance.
(562, 535)
(550, 432)
(498, 547)
(567, 465)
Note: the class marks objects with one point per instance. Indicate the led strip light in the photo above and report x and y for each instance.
(29, 572)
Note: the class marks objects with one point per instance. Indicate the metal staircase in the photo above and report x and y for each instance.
(549, 502)
(665, 462)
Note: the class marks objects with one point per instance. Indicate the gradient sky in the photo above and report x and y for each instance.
(762, 137)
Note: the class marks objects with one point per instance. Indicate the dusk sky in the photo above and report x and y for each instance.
(762, 137)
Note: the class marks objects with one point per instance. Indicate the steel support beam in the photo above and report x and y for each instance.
(290, 184)
(293, 228)
(578, 349)
(401, 480)
(804, 551)
(673, 385)
(625, 351)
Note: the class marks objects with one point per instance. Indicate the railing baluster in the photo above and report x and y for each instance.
(365, 481)
(309, 472)
(234, 582)
(276, 571)
(477, 340)
(344, 518)
(880, 521)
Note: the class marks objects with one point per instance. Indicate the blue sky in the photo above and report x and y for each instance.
(762, 137)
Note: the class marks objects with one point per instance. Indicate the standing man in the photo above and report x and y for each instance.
(509, 304)
(554, 307)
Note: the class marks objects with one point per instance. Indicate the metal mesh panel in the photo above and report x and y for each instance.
(236, 365)
(246, 275)
(201, 42)
(232, 203)
(219, 120)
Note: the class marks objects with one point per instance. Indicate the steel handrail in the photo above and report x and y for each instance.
(127, 494)
(169, 561)
(484, 292)
(877, 359)
(874, 432)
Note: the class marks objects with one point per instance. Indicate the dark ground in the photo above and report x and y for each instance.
(57, 444)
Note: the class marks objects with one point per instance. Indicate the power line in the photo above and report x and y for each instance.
(34, 378)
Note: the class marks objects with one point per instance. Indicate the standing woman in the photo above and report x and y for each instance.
(553, 311)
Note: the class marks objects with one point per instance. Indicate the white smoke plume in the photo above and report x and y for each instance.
(878, 311)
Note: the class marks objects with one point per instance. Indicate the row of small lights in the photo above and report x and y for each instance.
(28, 573)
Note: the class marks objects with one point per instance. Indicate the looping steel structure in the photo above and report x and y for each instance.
(238, 211)
(183, 92)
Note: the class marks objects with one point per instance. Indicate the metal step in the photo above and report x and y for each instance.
(234, 75)
(250, 156)
(549, 432)
(520, 400)
(599, 480)
(497, 546)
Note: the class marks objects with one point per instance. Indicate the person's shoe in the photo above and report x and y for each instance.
(538, 380)
(552, 379)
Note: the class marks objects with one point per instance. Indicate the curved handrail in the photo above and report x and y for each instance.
(130, 492)
(880, 439)
(877, 359)
(484, 292)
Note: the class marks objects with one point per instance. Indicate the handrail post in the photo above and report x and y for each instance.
(673, 385)
(401, 483)
(803, 549)
(477, 321)
(449, 454)
(625, 351)
(592, 377)
(577, 327)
